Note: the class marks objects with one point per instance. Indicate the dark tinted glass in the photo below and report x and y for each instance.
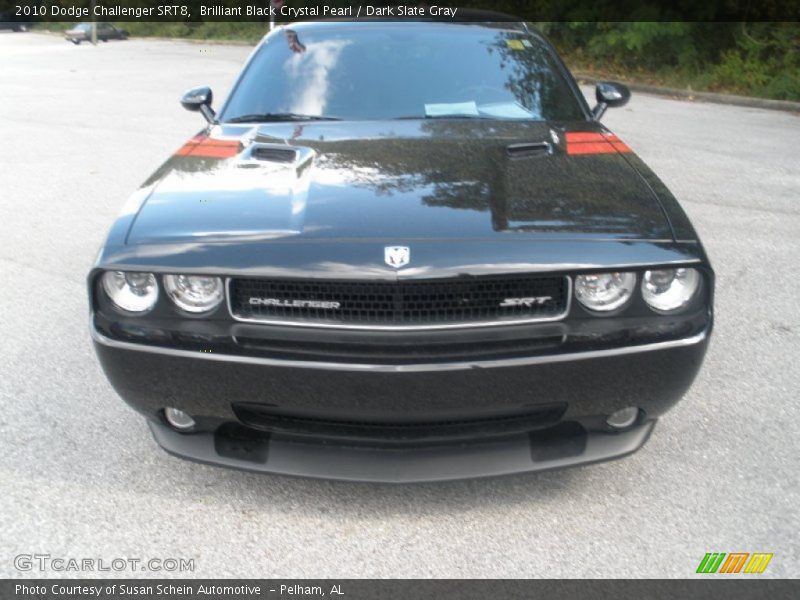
(381, 71)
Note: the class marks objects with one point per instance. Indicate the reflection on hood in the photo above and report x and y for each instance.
(400, 180)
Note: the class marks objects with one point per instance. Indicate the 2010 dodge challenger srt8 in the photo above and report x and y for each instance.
(402, 252)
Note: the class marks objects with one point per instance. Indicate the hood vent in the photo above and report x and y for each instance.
(529, 150)
(278, 154)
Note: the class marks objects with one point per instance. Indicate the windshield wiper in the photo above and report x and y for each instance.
(448, 116)
(277, 117)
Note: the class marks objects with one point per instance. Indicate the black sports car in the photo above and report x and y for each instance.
(402, 252)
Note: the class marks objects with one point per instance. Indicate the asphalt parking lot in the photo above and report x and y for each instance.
(80, 476)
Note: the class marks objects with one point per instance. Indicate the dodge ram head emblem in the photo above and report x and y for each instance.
(397, 256)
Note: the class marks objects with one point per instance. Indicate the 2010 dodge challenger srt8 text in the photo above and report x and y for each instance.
(402, 252)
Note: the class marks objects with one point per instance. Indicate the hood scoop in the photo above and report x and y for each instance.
(529, 149)
(277, 155)
(273, 153)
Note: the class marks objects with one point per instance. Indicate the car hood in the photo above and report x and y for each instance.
(396, 181)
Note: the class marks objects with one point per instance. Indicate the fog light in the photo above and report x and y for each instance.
(178, 419)
(622, 419)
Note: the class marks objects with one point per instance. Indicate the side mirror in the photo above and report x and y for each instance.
(199, 99)
(609, 94)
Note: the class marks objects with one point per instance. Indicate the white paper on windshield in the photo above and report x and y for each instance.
(455, 108)
(505, 110)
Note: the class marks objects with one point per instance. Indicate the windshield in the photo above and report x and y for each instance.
(394, 71)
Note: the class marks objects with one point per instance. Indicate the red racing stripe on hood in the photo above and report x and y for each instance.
(588, 142)
(202, 146)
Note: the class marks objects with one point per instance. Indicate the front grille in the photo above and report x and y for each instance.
(422, 303)
(400, 352)
(431, 430)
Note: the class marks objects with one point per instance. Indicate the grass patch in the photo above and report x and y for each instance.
(750, 59)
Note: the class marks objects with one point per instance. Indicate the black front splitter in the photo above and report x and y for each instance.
(563, 446)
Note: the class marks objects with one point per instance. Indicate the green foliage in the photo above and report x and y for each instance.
(249, 32)
(758, 59)
(766, 59)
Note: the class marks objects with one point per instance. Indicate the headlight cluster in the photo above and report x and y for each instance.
(193, 293)
(604, 291)
(132, 292)
(138, 292)
(670, 289)
(664, 290)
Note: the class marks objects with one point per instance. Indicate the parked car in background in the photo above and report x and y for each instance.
(14, 25)
(105, 31)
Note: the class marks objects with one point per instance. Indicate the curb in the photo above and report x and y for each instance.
(748, 101)
(197, 41)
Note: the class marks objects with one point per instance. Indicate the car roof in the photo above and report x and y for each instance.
(479, 18)
(482, 19)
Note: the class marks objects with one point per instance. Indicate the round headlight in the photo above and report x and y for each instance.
(604, 291)
(194, 293)
(670, 289)
(133, 292)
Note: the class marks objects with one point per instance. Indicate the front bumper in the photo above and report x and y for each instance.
(575, 392)
(650, 376)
